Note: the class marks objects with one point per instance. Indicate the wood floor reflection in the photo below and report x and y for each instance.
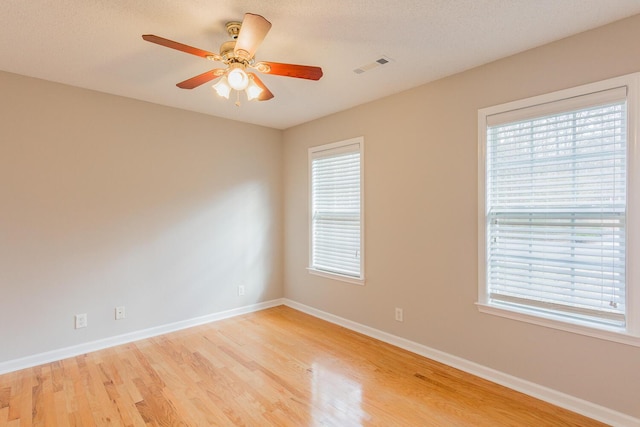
(277, 367)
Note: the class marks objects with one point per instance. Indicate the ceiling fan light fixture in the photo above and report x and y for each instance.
(253, 90)
(237, 78)
(222, 87)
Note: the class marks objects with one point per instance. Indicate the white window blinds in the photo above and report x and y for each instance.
(336, 209)
(556, 208)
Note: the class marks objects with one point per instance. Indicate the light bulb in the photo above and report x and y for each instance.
(238, 79)
(253, 90)
(222, 87)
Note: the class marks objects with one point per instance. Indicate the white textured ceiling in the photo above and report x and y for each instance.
(97, 44)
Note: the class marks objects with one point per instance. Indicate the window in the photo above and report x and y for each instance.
(336, 221)
(558, 217)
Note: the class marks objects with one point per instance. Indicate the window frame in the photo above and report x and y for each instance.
(312, 153)
(630, 334)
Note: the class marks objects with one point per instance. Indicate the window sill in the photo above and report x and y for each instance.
(619, 336)
(335, 276)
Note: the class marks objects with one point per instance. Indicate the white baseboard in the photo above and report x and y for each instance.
(554, 397)
(64, 353)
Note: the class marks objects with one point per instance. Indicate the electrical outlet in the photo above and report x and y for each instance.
(120, 313)
(81, 320)
(399, 314)
(241, 290)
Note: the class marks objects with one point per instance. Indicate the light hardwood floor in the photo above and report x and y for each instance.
(277, 367)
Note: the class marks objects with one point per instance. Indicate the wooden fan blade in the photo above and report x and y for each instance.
(252, 32)
(290, 70)
(179, 46)
(201, 79)
(266, 94)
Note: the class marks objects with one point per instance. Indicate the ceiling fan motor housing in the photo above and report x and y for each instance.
(226, 50)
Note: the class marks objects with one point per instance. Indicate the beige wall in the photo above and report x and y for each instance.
(107, 201)
(421, 220)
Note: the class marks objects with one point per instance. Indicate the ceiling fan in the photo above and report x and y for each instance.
(238, 56)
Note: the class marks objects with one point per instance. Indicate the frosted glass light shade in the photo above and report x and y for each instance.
(238, 79)
(253, 90)
(222, 87)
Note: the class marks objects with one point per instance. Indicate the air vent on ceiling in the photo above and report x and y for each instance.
(378, 62)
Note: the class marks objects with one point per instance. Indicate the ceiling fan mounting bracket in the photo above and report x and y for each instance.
(242, 55)
(262, 67)
(233, 28)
